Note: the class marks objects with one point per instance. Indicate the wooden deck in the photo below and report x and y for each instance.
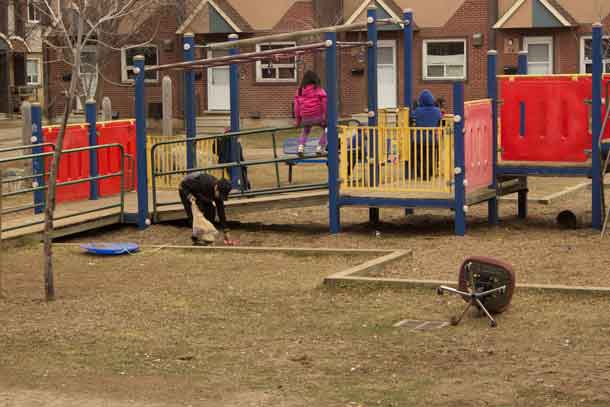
(97, 219)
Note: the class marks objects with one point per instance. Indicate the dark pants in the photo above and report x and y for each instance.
(209, 211)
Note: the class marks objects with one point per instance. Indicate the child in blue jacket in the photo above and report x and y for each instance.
(427, 114)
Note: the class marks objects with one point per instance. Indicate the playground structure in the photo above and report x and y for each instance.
(461, 163)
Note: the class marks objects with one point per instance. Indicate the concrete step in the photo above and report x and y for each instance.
(217, 113)
(210, 131)
(207, 123)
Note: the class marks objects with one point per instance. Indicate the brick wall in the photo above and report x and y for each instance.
(110, 80)
(566, 46)
(471, 18)
(274, 100)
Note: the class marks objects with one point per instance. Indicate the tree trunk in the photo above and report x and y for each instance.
(51, 198)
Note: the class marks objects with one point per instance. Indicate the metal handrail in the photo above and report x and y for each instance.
(235, 164)
(26, 147)
(120, 174)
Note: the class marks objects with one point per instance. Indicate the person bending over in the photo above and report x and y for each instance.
(209, 194)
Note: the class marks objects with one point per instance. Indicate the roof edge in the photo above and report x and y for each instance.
(199, 9)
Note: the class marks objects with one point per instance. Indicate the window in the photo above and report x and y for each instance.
(586, 55)
(33, 72)
(276, 69)
(539, 55)
(151, 57)
(88, 60)
(444, 59)
(33, 11)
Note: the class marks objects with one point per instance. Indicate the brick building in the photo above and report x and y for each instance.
(452, 38)
(21, 68)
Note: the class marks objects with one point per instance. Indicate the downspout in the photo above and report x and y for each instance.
(493, 18)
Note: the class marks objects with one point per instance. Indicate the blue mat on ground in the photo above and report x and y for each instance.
(110, 249)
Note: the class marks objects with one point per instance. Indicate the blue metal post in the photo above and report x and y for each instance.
(190, 116)
(492, 93)
(235, 114)
(333, 138)
(596, 117)
(91, 115)
(373, 107)
(141, 158)
(38, 166)
(522, 66)
(460, 167)
(522, 195)
(408, 57)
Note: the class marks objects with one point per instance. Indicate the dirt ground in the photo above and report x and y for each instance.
(182, 328)
(538, 248)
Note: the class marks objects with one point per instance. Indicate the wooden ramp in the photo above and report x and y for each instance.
(244, 205)
(71, 223)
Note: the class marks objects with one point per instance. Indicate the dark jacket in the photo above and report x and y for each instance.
(427, 114)
(201, 186)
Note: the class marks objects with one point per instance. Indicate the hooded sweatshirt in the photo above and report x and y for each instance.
(310, 103)
(427, 114)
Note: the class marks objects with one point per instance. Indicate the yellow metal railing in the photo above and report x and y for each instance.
(172, 157)
(397, 159)
(398, 117)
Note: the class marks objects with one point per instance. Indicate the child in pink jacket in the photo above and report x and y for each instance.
(310, 110)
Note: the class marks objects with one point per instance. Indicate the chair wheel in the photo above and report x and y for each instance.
(493, 324)
(454, 321)
(439, 291)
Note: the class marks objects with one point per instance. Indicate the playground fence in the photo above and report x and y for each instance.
(396, 159)
(172, 158)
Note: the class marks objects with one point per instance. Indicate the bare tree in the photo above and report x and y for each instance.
(71, 27)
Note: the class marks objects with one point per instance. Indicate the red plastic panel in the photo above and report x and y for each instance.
(546, 118)
(73, 166)
(478, 144)
(109, 159)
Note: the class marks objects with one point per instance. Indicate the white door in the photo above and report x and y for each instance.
(539, 55)
(387, 86)
(219, 89)
(89, 71)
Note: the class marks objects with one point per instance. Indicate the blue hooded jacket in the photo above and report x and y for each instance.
(427, 114)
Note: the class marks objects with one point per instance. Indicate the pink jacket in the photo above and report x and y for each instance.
(310, 103)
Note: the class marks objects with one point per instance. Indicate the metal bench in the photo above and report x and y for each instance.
(290, 148)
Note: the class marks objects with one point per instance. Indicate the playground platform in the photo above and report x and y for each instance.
(83, 216)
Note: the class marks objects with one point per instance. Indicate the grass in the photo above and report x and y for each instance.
(181, 328)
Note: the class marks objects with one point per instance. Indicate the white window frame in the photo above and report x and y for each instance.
(259, 65)
(36, 17)
(38, 73)
(583, 62)
(527, 41)
(425, 59)
(125, 67)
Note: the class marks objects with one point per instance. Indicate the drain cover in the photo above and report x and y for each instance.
(417, 325)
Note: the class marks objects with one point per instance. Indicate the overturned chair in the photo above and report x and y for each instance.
(484, 283)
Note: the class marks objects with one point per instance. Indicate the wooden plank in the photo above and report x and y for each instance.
(253, 205)
(370, 265)
(568, 191)
(480, 195)
(70, 226)
(289, 250)
(415, 283)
